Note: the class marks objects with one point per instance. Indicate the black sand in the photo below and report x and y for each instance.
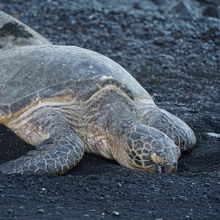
(175, 55)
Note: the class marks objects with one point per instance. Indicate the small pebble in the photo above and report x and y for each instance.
(41, 211)
(115, 213)
(183, 198)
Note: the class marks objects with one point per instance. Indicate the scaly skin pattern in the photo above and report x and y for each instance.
(141, 145)
(98, 112)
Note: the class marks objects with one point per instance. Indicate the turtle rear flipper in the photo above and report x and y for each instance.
(56, 155)
(14, 33)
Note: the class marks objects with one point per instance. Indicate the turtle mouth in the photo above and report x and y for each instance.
(156, 168)
(168, 169)
(150, 169)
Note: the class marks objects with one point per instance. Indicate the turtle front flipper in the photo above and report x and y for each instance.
(55, 158)
(60, 152)
(176, 129)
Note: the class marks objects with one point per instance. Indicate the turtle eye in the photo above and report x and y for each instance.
(158, 159)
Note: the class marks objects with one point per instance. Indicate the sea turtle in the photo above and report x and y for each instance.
(65, 100)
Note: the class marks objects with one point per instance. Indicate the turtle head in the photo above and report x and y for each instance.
(152, 151)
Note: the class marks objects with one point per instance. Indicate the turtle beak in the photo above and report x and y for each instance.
(169, 168)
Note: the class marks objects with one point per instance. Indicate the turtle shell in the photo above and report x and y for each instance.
(37, 72)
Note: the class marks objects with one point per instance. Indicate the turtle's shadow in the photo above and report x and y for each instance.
(11, 146)
(94, 165)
